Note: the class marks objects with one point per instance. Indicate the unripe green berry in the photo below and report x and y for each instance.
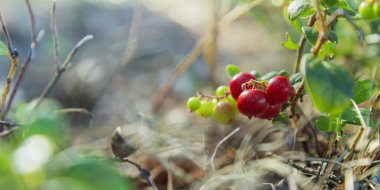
(224, 112)
(221, 90)
(193, 103)
(206, 109)
(366, 11)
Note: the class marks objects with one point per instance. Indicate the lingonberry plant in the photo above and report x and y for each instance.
(340, 95)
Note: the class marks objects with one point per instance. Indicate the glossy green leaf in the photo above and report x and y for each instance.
(289, 43)
(340, 5)
(364, 90)
(329, 85)
(255, 73)
(3, 49)
(311, 34)
(329, 3)
(232, 70)
(299, 8)
(327, 123)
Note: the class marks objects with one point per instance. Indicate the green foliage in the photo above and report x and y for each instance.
(232, 70)
(289, 43)
(32, 160)
(364, 90)
(3, 49)
(311, 34)
(329, 85)
(300, 8)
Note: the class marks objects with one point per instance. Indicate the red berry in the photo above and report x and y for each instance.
(271, 112)
(237, 81)
(252, 102)
(279, 90)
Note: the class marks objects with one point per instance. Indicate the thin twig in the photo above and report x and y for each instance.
(13, 57)
(34, 41)
(143, 172)
(7, 36)
(8, 131)
(53, 25)
(296, 97)
(133, 35)
(22, 71)
(210, 46)
(58, 73)
(190, 58)
(218, 145)
(359, 135)
(76, 110)
(301, 45)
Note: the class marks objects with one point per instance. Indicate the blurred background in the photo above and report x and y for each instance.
(117, 91)
(124, 76)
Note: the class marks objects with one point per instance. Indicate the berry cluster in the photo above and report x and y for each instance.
(369, 10)
(222, 107)
(256, 99)
(248, 93)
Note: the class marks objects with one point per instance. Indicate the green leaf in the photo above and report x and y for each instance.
(97, 175)
(255, 73)
(3, 49)
(296, 78)
(311, 34)
(329, 85)
(329, 3)
(328, 123)
(269, 75)
(281, 120)
(323, 123)
(232, 70)
(364, 90)
(327, 50)
(351, 117)
(341, 5)
(299, 8)
(289, 43)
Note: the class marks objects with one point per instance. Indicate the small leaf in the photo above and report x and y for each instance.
(269, 75)
(329, 85)
(3, 49)
(327, 50)
(341, 5)
(296, 78)
(299, 8)
(255, 73)
(322, 123)
(351, 117)
(232, 70)
(289, 43)
(364, 90)
(328, 123)
(311, 34)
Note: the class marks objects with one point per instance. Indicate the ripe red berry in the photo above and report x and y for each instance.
(237, 81)
(271, 112)
(252, 102)
(279, 90)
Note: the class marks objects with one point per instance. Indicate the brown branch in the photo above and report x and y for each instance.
(53, 26)
(34, 40)
(58, 73)
(7, 36)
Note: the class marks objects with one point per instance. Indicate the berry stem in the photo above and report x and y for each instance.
(296, 97)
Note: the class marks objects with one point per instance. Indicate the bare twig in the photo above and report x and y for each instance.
(77, 110)
(53, 25)
(21, 73)
(34, 41)
(133, 35)
(8, 131)
(13, 56)
(218, 145)
(7, 36)
(143, 172)
(359, 135)
(186, 62)
(65, 64)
